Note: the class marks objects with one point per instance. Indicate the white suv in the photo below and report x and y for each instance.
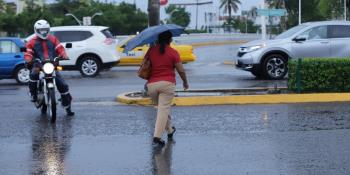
(89, 48)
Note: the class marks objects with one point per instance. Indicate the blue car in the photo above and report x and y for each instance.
(12, 60)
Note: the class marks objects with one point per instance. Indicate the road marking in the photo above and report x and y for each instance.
(97, 103)
(218, 43)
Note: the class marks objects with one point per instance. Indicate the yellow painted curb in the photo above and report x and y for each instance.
(122, 98)
(217, 43)
(245, 99)
(229, 63)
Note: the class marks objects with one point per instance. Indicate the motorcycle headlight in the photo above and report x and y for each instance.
(48, 68)
(251, 48)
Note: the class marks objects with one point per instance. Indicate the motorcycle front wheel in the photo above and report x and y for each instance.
(51, 106)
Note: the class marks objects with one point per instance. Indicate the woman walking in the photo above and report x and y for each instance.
(161, 84)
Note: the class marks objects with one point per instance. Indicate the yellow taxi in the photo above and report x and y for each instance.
(135, 56)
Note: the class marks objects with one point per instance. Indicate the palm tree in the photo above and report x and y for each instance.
(253, 13)
(229, 6)
(275, 3)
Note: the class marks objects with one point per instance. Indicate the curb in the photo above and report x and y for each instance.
(217, 43)
(243, 99)
(231, 63)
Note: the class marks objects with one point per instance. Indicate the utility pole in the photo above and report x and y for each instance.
(345, 10)
(197, 15)
(153, 12)
(299, 12)
(263, 22)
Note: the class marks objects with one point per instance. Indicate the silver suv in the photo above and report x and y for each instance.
(268, 58)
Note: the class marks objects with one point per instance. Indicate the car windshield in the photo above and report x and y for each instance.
(290, 32)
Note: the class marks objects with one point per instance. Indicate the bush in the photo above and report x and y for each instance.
(320, 75)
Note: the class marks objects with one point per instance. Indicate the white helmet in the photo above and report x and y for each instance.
(42, 29)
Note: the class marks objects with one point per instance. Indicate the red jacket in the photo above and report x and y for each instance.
(44, 49)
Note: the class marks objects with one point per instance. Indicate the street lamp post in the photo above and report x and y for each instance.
(96, 14)
(86, 20)
(69, 14)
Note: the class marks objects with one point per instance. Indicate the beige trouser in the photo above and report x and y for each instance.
(162, 94)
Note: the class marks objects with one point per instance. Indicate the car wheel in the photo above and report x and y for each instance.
(89, 66)
(22, 75)
(275, 67)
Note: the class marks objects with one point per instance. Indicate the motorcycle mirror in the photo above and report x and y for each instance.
(69, 45)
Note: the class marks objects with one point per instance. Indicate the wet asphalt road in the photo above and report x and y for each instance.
(105, 138)
(110, 138)
(207, 72)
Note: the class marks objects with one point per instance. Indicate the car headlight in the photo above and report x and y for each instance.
(251, 48)
(48, 68)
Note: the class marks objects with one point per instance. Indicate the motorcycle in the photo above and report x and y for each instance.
(46, 87)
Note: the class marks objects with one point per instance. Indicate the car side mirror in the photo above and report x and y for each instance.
(69, 45)
(299, 39)
(23, 49)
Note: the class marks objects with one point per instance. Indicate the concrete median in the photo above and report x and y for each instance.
(217, 43)
(237, 97)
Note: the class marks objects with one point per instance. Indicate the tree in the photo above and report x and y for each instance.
(2, 6)
(331, 9)
(229, 6)
(253, 13)
(122, 19)
(279, 4)
(308, 8)
(178, 15)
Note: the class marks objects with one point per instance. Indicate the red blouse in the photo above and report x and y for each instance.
(163, 65)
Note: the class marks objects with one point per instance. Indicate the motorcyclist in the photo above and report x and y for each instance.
(46, 46)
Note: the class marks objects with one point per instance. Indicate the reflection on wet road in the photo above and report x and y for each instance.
(50, 144)
(162, 159)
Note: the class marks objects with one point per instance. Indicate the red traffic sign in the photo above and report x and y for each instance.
(163, 2)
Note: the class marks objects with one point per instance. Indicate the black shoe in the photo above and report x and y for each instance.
(34, 98)
(157, 142)
(170, 136)
(69, 112)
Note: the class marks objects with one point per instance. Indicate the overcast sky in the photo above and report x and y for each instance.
(246, 5)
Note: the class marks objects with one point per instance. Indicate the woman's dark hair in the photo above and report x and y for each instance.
(164, 39)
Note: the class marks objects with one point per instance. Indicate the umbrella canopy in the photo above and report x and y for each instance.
(150, 35)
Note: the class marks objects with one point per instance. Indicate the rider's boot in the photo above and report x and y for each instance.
(33, 91)
(66, 102)
(34, 98)
(69, 111)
